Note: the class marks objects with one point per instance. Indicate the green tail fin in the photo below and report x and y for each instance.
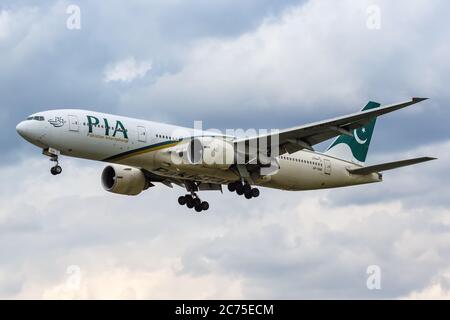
(354, 148)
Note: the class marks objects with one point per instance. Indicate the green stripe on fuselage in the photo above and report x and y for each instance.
(146, 149)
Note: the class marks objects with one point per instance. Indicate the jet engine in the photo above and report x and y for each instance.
(211, 152)
(124, 180)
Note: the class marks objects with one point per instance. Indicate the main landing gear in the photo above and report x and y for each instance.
(193, 201)
(243, 189)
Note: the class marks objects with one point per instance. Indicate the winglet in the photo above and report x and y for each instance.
(417, 99)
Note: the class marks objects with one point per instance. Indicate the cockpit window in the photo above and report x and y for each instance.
(36, 118)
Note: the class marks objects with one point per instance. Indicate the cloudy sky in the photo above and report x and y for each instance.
(232, 64)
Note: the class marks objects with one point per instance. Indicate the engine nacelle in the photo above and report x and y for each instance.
(124, 180)
(211, 152)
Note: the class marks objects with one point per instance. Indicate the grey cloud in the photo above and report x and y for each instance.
(285, 245)
(47, 66)
(247, 82)
(327, 263)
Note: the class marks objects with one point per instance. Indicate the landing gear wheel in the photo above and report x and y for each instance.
(205, 205)
(232, 187)
(192, 201)
(56, 170)
(240, 189)
(182, 200)
(255, 192)
(247, 188)
(248, 195)
(189, 202)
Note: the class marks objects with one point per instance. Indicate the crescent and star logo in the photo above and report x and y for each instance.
(357, 138)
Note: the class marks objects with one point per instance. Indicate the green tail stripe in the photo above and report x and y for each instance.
(359, 143)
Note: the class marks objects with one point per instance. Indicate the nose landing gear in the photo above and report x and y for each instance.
(243, 189)
(56, 169)
(193, 201)
(53, 154)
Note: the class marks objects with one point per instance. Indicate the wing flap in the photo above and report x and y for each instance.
(389, 166)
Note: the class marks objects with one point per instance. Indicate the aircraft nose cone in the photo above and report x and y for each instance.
(21, 129)
(32, 132)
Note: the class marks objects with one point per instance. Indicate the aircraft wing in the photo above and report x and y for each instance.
(169, 182)
(388, 166)
(304, 137)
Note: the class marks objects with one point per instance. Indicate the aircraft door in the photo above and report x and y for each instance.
(73, 124)
(327, 166)
(142, 136)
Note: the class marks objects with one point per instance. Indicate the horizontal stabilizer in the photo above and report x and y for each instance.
(388, 166)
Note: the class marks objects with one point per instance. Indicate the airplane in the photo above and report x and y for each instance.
(140, 153)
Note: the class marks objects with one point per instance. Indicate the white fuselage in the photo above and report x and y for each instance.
(150, 145)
